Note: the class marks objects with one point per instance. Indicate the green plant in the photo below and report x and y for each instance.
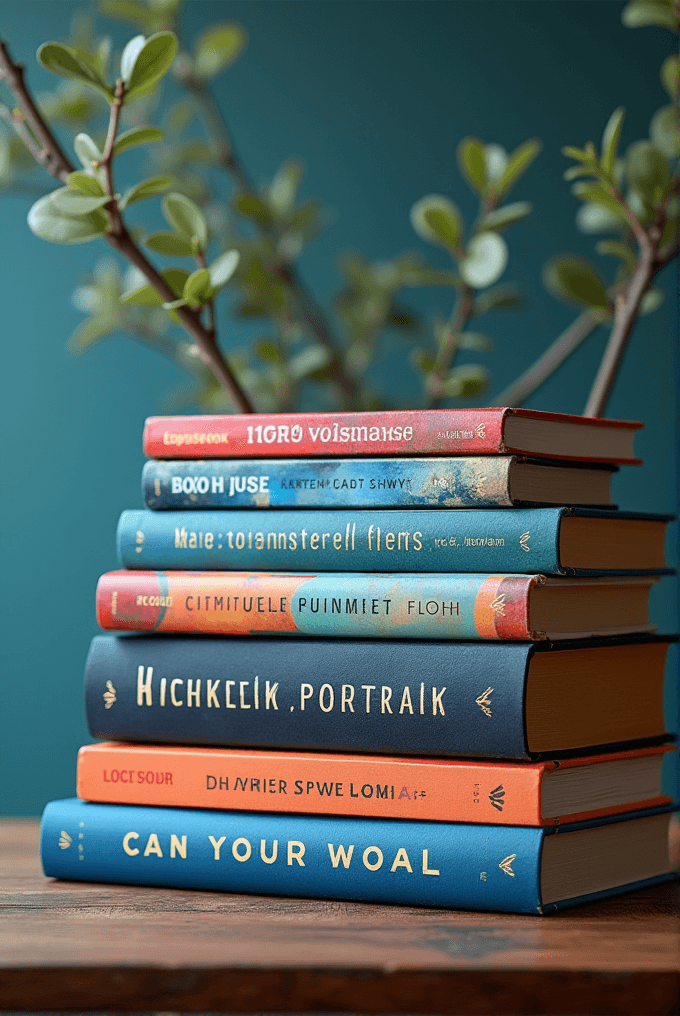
(254, 246)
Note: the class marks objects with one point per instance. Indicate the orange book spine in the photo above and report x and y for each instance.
(442, 790)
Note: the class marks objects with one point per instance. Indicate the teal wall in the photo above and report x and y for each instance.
(374, 97)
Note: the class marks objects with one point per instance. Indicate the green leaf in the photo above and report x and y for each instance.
(269, 351)
(641, 13)
(90, 331)
(596, 194)
(170, 244)
(174, 304)
(651, 301)
(218, 48)
(127, 10)
(577, 153)
(438, 220)
(152, 63)
(253, 207)
(593, 217)
(472, 164)
(485, 260)
(68, 63)
(476, 341)
(610, 140)
(146, 189)
(664, 133)
(197, 285)
(186, 218)
(503, 297)
(465, 382)
(86, 184)
(74, 202)
(518, 162)
(51, 223)
(222, 269)
(576, 281)
(647, 170)
(137, 136)
(495, 162)
(284, 186)
(581, 170)
(423, 359)
(617, 249)
(670, 76)
(501, 218)
(86, 150)
(129, 57)
(146, 295)
(308, 361)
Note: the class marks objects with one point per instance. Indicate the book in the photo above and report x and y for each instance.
(510, 700)
(553, 541)
(436, 790)
(464, 482)
(394, 432)
(516, 869)
(453, 606)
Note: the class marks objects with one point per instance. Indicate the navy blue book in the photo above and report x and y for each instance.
(552, 541)
(440, 864)
(505, 700)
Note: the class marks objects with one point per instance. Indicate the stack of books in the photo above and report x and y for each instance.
(371, 670)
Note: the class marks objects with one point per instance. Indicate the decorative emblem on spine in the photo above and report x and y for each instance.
(65, 840)
(524, 541)
(484, 702)
(505, 865)
(499, 604)
(481, 430)
(109, 695)
(139, 540)
(496, 797)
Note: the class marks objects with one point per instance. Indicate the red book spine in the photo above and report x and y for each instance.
(431, 432)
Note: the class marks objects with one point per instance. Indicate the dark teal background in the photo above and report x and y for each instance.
(374, 98)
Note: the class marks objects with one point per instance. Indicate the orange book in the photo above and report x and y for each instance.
(445, 790)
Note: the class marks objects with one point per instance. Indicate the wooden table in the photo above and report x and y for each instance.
(79, 946)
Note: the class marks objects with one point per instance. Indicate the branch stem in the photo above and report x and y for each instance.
(456, 324)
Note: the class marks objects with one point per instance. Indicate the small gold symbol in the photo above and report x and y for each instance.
(497, 797)
(482, 876)
(484, 702)
(481, 430)
(505, 865)
(64, 840)
(499, 604)
(109, 695)
(524, 541)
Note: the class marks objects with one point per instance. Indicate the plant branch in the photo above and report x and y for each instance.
(554, 356)
(50, 156)
(449, 347)
(229, 159)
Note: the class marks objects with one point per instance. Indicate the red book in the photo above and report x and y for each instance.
(491, 431)
(436, 790)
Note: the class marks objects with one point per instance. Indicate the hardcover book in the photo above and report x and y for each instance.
(506, 700)
(553, 541)
(395, 432)
(468, 866)
(436, 790)
(457, 606)
(465, 482)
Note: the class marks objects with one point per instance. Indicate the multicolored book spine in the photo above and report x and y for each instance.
(434, 790)
(437, 864)
(455, 540)
(397, 432)
(466, 482)
(341, 604)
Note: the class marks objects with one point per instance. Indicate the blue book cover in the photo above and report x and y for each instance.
(432, 482)
(522, 540)
(440, 864)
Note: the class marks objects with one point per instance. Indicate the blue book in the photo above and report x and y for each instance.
(552, 541)
(473, 867)
(506, 700)
(432, 482)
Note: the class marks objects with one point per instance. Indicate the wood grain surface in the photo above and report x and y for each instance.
(82, 946)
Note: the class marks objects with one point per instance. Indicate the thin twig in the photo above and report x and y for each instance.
(554, 356)
(449, 347)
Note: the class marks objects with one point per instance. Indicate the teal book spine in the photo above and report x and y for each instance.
(438, 864)
(433, 482)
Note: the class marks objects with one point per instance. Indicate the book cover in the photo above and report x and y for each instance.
(528, 540)
(440, 864)
(428, 697)
(394, 432)
(434, 482)
(435, 790)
